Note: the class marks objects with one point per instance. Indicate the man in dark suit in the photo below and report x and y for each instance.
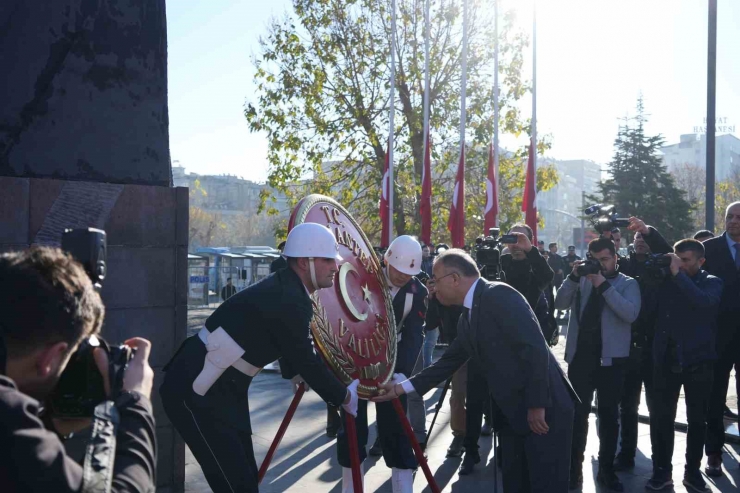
(723, 261)
(499, 332)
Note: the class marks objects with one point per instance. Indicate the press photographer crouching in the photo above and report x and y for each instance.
(683, 355)
(48, 308)
(603, 303)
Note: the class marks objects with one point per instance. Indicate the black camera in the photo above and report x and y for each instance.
(604, 218)
(80, 387)
(488, 256)
(658, 266)
(590, 266)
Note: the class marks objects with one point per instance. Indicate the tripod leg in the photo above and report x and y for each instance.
(281, 431)
(438, 407)
(354, 454)
(415, 444)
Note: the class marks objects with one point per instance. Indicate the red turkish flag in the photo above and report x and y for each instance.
(456, 223)
(529, 205)
(491, 195)
(384, 206)
(426, 195)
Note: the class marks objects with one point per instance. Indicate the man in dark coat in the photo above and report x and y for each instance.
(723, 260)
(499, 332)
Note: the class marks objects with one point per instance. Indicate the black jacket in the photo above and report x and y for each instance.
(269, 320)
(687, 312)
(721, 264)
(443, 318)
(530, 276)
(33, 458)
(227, 292)
(643, 328)
(412, 332)
(505, 341)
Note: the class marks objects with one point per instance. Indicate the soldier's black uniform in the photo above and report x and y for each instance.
(397, 450)
(33, 458)
(269, 320)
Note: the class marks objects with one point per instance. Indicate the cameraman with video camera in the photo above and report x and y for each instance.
(49, 308)
(604, 303)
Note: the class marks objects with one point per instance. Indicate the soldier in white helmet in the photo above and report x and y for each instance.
(206, 383)
(402, 263)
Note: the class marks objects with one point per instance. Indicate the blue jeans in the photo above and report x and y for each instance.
(430, 340)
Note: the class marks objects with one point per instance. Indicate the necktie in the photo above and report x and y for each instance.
(737, 255)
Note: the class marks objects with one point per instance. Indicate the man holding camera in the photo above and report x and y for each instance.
(48, 307)
(683, 355)
(640, 365)
(723, 261)
(206, 385)
(499, 333)
(603, 303)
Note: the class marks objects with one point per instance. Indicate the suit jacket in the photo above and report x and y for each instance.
(720, 263)
(412, 333)
(505, 341)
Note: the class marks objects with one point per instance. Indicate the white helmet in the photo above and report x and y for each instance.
(311, 240)
(404, 255)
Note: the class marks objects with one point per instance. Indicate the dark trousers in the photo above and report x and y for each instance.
(728, 349)
(697, 383)
(477, 403)
(639, 370)
(538, 463)
(587, 375)
(224, 453)
(397, 450)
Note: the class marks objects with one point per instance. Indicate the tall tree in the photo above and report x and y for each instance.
(322, 81)
(639, 183)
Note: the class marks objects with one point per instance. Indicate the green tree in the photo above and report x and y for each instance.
(639, 183)
(322, 79)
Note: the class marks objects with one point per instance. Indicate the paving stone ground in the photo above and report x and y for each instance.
(306, 460)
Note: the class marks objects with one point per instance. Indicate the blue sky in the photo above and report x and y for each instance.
(594, 59)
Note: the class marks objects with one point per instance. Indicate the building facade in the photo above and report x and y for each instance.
(692, 149)
(562, 206)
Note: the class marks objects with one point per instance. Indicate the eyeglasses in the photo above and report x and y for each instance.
(433, 280)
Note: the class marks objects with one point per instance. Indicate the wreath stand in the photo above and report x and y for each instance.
(353, 451)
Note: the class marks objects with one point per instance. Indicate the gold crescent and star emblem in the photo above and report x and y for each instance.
(352, 323)
(343, 271)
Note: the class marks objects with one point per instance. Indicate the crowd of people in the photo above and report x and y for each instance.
(666, 317)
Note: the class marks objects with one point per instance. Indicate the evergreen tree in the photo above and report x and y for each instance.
(639, 183)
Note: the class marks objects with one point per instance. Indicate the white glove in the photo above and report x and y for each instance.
(297, 381)
(398, 378)
(351, 406)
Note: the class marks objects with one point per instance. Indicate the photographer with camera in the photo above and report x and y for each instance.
(604, 303)
(640, 265)
(48, 308)
(683, 355)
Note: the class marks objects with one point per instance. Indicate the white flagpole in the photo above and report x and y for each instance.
(464, 80)
(495, 104)
(391, 124)
(534, 94)
(427, 26)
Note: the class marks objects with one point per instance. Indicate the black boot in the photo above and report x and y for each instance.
(472, 457)
(456, 447)
(606, 477)
(624, 463)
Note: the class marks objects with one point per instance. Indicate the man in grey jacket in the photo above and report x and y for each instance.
(603, 306)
